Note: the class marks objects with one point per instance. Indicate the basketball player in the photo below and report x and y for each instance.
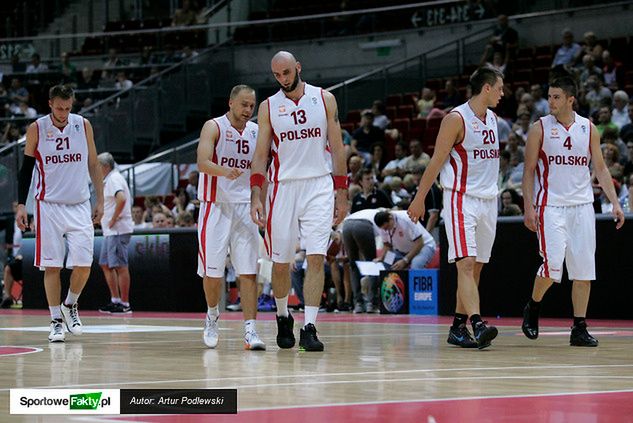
(558, 197)
(62, 144)
(467, 155)
(297, 127)
(225, 151)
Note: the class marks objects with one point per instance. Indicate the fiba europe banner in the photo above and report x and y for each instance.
(413, 291)
(123, 401)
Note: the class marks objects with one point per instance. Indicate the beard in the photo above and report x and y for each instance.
(293, 85)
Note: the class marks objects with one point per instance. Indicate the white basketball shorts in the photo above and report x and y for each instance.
(53, 223)
(471, 225)
(224, 225)
(567, 234)
(300, 209)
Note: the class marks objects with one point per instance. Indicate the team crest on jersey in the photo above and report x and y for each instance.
(314, 100)
(475, 126)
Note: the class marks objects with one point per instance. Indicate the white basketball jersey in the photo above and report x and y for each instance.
(233, 149)
(562, 173)
(473, 164)
(299, 147)
(62, 161)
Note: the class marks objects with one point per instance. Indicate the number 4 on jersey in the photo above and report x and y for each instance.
(567, 143)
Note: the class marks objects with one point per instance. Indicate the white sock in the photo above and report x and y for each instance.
(124, 304)
(56, 312)
(250, 326)
(213, 312)
(115, 300)
(282, 306)
(71, 298)
(310, 315)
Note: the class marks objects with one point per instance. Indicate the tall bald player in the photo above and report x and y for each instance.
(62, 144)
(300, 130)
(558, 197)
(225, 151)
(467, 154)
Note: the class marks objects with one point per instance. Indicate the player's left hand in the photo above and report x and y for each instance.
(618, 216)
(340, 207)
(399, 265)
(97, 213)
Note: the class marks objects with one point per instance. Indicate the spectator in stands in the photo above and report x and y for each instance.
(366, 135)
(626, 133)
(499, 61)
(395, 166)
(610, 135)
(426, 103)
(628, 165)
(592, 47)
(377, 163)
(182, 203)
(515, 180)
(122, 82)
(188, 53)
(604, 120)
(596, 95)
(185, 220)
(513, 146)
(380, 119)
(541, 106)
(159, 220)
(147, 57)
(620, 113)
(370, 197)
(170, 55)
(522, 126)
(11, 133)
(192, 185)
(354, 165)
(16, 65)
(137, 217)
(508, 104)
(505, 169)
(612, 72)
(588, 68)
(112, 61)
(503, 130)
(505, 39)
(36, 65)
(87, 80)
(67, 69)
(510, 203)
(527, 106)
(418, 158)
(186, 15)
(4, 100)
(17, 92)
(452, 98)
(612, 158)
(170, 222)
(569, 53)
(23, 109)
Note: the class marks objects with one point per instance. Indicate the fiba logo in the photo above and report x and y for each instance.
(392, 292)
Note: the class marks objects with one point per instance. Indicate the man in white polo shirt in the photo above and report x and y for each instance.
(117, 225)
(412, 245)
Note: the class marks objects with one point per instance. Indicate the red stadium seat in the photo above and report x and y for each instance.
(405, 111)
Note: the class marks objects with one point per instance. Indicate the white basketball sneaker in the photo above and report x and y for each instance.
(211, 331)
(71, 318)
(253, 342)
(57, 331)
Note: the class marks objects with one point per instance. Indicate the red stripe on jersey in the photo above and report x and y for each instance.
(205, 192)
(460, 196)
(542, 242)
(455, 227)
(463, 126)
(38, 236)
(543, 158)
(540, 182)
(203, 237)
(543, 203)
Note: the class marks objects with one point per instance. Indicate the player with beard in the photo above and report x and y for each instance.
(299, 129)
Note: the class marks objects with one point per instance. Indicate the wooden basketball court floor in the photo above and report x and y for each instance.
(374, 369)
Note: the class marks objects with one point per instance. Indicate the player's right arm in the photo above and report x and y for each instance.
(26, 173)
(208, 137)
(451, 130)
(532, 149)
(258, 165)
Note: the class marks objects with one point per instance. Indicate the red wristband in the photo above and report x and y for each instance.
(257, 180)
(340, 181)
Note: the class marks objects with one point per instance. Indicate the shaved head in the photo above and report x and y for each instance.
(286, 70)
